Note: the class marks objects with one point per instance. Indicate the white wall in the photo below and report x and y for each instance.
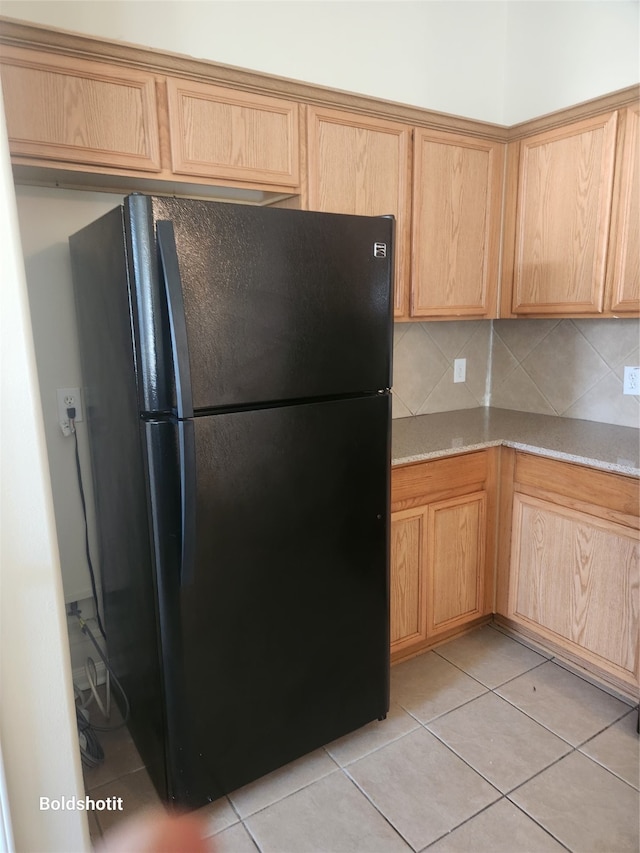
(447, 56)
(37, 726)
(563, 52)
(47, 217)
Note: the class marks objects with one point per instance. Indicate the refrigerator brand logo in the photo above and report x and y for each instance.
(379, 250)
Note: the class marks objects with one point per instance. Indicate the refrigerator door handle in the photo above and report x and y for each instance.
(187, 453)
(177, 323)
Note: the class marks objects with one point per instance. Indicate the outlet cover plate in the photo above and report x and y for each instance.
(631, 384)
(68, 398)
(459, 369)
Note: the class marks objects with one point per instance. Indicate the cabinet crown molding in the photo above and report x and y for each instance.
(37, 37)
(22, 34)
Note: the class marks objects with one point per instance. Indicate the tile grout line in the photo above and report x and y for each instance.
(378, 810)
(565, 665)
(251, 836)
(486, 808)
(573, 748)
(628, 711)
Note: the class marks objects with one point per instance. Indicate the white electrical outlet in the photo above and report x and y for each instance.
(459, 369)
(68, 398)
(631, 383)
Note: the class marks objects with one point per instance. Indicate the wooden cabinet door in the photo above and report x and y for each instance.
(623, 272)
(77, 112)
(457, 203)
(360, 165)
(575, 580)
(564, 194)
(455, 561)
(408, 583)
(442, 548)
(233, 136)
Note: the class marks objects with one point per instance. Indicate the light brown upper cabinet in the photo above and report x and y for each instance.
(447, 248)
(79, 113)
(96, 118)
(85, 112)
(360, 165)
(556, 242)
(233, 136)
(623, 269)
(457, 206)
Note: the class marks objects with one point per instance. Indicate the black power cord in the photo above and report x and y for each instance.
(91, 751)
(71, 414)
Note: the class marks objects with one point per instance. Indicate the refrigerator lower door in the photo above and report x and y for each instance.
(281, 641)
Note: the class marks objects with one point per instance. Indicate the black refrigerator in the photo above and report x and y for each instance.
(236, 367)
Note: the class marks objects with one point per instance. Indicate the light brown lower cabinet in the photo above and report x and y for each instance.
(551, 548)
(442, 518)
(573, 574)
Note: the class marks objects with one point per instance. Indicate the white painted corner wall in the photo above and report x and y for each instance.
(562, 52)
(38, 736)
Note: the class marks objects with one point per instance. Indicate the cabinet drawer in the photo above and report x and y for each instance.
(438, 477)
(610, 495)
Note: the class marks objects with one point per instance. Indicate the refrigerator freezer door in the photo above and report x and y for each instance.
(283, 630)
(281, 304)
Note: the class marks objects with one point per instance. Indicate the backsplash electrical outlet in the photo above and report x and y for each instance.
(423, 366)
(631, 382)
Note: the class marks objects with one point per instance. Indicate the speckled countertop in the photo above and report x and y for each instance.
(612, 448)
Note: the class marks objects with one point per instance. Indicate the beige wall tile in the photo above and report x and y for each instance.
(453, 335)
(606, 402)
(564, 366)
(423, 359)
(518, 391)
(448, 396)
(614, 340)
(418, 366)
(522, 336)
(571, 368)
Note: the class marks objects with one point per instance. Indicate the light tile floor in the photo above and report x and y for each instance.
(489, 746)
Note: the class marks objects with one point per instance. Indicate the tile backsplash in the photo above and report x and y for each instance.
(423, 355)
(570, 368)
